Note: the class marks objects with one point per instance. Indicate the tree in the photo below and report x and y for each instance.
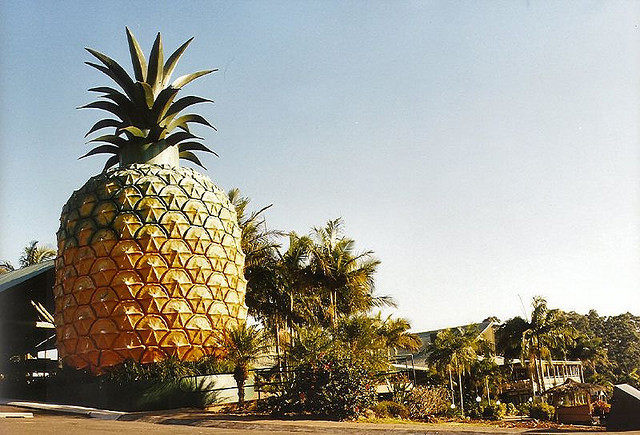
(6, 267)
(509, 338)
(342, 276)
(359, 337)
(547, 330)
(395, 333)
(608, 346)
(244, 345)
(456, 350)
(256, 240)
(621, 336)
(34, 254)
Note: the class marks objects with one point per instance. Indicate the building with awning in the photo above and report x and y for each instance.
(573, 400)
(27, 333)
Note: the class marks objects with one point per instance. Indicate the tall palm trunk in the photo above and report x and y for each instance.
(460, 385)
(541, 375)
(453, 395)
(278, 351)
(240, 383)
(334, 314)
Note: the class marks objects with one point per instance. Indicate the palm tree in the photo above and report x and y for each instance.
(341, 274)
(395, 333)
(6, 267)
(546, 331)
(261, 269)
(244, 345)
(359, 337)
(456, 350)
(509, 338)
(257, 241)
(309, 342)
(34, 254)
(278, 290)
(296, 280)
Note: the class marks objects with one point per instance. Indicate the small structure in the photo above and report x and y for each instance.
(625, 409)
(573, 401)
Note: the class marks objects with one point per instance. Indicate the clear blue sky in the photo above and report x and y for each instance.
(481, 149)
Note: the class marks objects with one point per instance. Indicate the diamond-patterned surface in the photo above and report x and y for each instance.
(149, 266)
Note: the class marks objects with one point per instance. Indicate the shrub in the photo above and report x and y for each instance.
(600, 407)
(542, 411)
(331, 386)
(494, 411)
(473, 411)
(424, 402)
(132, 386)
(511, 409)
(387, 408)
(523, 408)
(400, 388)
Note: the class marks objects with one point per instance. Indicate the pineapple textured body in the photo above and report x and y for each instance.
(149, 266)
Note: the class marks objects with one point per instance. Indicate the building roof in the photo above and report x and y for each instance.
(428, 336)
(570, 386)
(13, 278)
(628, 390)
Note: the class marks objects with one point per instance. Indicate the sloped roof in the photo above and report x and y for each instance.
(13, 278)
(629, 390)
(427, 336)
(570, 386)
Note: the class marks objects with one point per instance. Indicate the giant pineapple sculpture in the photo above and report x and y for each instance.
(149, 263)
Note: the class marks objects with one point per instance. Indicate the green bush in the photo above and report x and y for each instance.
(523, 408)
(330, 386)
(132, 386)
(542, 411)
(387, 408)
(473, 411)
(511, 409)
(486, 411)
(424, 402)
(494, 411)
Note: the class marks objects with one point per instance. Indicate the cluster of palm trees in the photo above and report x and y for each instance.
(319, 279)
(536, 340)
(463, 353)
(310, 292)
(455, 352)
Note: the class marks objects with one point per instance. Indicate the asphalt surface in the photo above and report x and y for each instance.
(198, 422)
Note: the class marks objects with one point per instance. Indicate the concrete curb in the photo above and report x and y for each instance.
(101, 414)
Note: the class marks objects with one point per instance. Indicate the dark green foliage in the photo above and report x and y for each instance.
(608, 346)
(494, 411)
(132, 386)
(388, 408)
(486, 411)
(523, 408)
(511, 409)
(332, 386)
(542, 411)
(424, 402)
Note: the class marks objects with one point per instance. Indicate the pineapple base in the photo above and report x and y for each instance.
(149, 266)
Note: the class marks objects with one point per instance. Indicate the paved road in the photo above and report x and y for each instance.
(195, 422)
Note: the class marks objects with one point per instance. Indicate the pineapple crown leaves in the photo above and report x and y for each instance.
(146, 111)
